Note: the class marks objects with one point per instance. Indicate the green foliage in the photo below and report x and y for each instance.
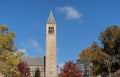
(6, 40)
(87, 56)
(8, 62)
(117, 46)
(8, 59)
(107, 56)
(37, 73)
(108, 38)
(3, 29)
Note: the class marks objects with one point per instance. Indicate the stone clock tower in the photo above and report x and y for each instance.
(51, 66)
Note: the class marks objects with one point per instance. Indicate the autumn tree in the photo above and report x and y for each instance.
(96, 65)
(116, 65)
(70, 69)
(117, 46)
(87, 52)
(104, 58)
(8, 62)
(6, 40)
(107, 56)
(85, 57)
(24, 69)
(8, 57)
(110, 39)
(117, 73)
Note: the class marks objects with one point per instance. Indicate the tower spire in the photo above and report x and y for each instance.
(51, 19)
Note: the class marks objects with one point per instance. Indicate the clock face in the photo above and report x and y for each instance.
(50, 37)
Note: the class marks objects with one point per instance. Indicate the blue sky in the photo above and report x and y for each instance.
(79, 23)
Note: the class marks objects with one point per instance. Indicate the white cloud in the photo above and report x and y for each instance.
(35, 44)
(24, 51)
(70, 12)
(30, 44)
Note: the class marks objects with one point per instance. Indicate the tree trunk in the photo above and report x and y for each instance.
(109, 72)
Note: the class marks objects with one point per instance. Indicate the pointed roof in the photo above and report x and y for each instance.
(51, 19)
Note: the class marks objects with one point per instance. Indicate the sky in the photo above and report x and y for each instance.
(79, 23)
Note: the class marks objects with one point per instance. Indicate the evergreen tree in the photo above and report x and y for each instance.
(37, 73)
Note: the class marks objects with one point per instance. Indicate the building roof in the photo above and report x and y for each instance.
(33, 61)
(51, 19)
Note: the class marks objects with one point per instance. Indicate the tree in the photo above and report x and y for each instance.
(96, 65)
(108, 38)
(106, 57)
(6, 40)
(117, 73)
(37, 73)
(108, 54)
(117, 46)
(8, 62)
(85, 57)
(87, 52)
(103, 57)
(24, 69)
(70, 69)
(116, 65)
(8, 57)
